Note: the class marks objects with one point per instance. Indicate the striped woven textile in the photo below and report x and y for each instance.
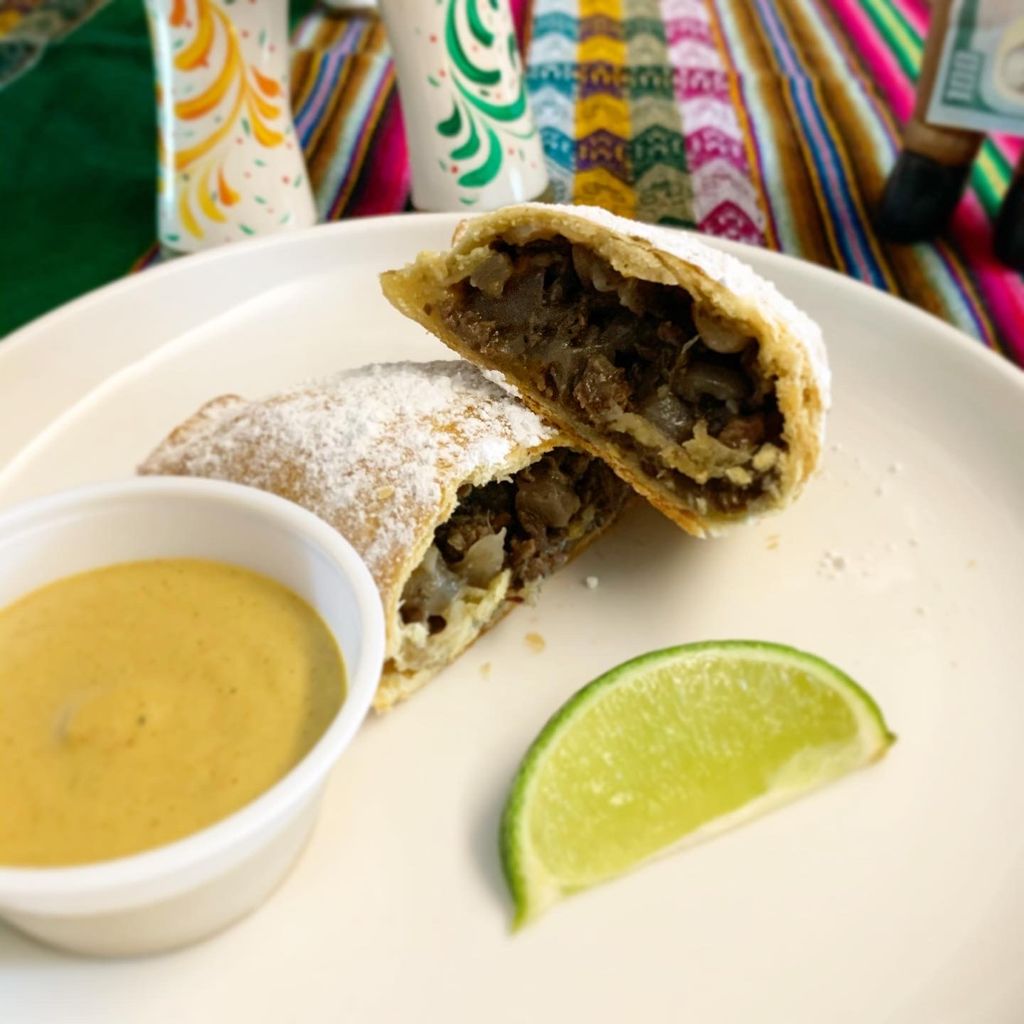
(769, 122)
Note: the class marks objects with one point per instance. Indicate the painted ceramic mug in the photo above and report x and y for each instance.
(472, 140)
(230, 165)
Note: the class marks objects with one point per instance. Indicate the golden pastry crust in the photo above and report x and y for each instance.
(380, 453)
(790, 350)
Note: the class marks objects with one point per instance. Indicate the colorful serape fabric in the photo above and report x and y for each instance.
(769, 122)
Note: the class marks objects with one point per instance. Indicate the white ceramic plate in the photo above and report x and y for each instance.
(895, 895)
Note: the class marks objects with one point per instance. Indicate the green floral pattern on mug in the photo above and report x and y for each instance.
(489, 116)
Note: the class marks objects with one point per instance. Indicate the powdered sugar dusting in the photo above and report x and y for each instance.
(370, 450)
(500, 379)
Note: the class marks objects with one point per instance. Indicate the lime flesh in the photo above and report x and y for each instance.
(676, 745)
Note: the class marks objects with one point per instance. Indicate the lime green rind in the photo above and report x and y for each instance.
(532, 898)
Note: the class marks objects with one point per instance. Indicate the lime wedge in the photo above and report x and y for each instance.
(674, 746)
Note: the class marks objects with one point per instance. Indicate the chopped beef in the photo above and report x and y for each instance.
(545, 497)
(749, 430)
(529, 525)
(602, 386)
(676, 383)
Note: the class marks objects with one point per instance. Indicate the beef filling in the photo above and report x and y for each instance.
(678, 386)
(529, 524)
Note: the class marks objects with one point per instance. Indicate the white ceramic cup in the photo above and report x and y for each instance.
(183, 891)
(230, 165)
(473, 143)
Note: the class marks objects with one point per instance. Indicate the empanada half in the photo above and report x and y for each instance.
(459, 498)
(672, 361)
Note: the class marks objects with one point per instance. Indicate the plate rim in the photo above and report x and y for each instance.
(195, 263)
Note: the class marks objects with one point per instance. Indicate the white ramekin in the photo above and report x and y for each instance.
(181, 892)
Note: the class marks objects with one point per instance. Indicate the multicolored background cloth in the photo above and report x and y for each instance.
(773, 122)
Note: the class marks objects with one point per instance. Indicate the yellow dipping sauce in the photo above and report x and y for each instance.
(143, 701)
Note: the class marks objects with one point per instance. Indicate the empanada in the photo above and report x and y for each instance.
(459, 498)
(673, 362)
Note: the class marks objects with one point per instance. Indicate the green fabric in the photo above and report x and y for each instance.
(78, 164)
(78, 168)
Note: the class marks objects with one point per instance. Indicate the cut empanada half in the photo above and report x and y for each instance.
(674, 362)
(459, 498)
